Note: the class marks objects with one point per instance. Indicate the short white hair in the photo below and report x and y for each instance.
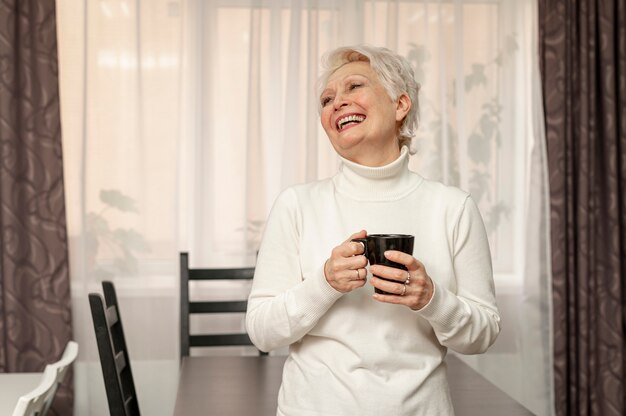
(395, 75)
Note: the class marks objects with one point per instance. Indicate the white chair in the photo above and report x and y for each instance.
(38, 401)
(60, 368)
(33, 403)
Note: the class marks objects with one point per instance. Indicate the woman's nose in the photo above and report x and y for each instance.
(340, 101)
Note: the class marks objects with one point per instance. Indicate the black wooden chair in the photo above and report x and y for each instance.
(114, 359)
(188, 307)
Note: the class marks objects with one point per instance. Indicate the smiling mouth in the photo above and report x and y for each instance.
(350, 120)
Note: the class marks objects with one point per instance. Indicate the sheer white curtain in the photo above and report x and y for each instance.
(183, 120)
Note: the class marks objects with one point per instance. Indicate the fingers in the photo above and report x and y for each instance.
(344, 270)
(397, 300)
(394, 288)
(344, 279)
(359, 234)
(414, 296)
(407, 260)
(388, 272)
(351, 248)
(347, 250)
(412, 287)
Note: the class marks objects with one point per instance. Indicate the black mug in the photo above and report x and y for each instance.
(376, 245)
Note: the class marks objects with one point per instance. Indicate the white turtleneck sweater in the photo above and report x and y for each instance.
(349, 354)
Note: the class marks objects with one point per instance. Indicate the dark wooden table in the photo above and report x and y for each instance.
(248, 386)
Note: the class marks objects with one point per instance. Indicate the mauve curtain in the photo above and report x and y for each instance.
(35, 318)
(583, 53)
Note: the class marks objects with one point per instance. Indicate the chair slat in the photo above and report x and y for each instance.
(204, 306)
(111, 315)
(222, 274)
(120, 362)
(232, 306)
(219, 340)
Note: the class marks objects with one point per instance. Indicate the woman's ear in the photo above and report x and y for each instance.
(403, 107)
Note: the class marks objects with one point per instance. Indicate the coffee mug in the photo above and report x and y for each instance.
(376, 245)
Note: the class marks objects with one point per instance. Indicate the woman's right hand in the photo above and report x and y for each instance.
(345, 269)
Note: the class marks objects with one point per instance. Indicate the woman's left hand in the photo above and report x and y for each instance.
(413, 288)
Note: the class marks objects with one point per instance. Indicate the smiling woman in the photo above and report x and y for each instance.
(377, 83)
(394, 75)
(312, 289)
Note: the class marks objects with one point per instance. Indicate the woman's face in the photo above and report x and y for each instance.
(359, 117)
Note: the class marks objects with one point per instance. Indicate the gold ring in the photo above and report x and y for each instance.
(358, 276)
(403, 290)
(408, 278)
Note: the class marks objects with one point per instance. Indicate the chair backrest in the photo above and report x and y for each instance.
(114, 358)
(188, 307)
(33, 403)
(60, 368)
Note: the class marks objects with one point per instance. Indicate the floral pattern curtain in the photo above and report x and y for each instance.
(583, 53)
(35, 319)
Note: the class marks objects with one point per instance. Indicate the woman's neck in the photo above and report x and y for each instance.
(380, 183)
(374, 156)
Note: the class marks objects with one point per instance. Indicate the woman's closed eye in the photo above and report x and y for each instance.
(325, 100)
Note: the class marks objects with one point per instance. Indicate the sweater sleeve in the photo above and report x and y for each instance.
(467, 321)
(282, 306)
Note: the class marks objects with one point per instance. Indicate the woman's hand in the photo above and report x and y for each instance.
(413, 288)
(345, 269)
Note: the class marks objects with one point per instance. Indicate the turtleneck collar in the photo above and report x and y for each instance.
(384, 183)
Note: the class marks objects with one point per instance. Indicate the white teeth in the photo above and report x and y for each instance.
(348, 119)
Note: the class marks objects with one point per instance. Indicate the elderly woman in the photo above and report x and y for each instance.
(352, 351)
